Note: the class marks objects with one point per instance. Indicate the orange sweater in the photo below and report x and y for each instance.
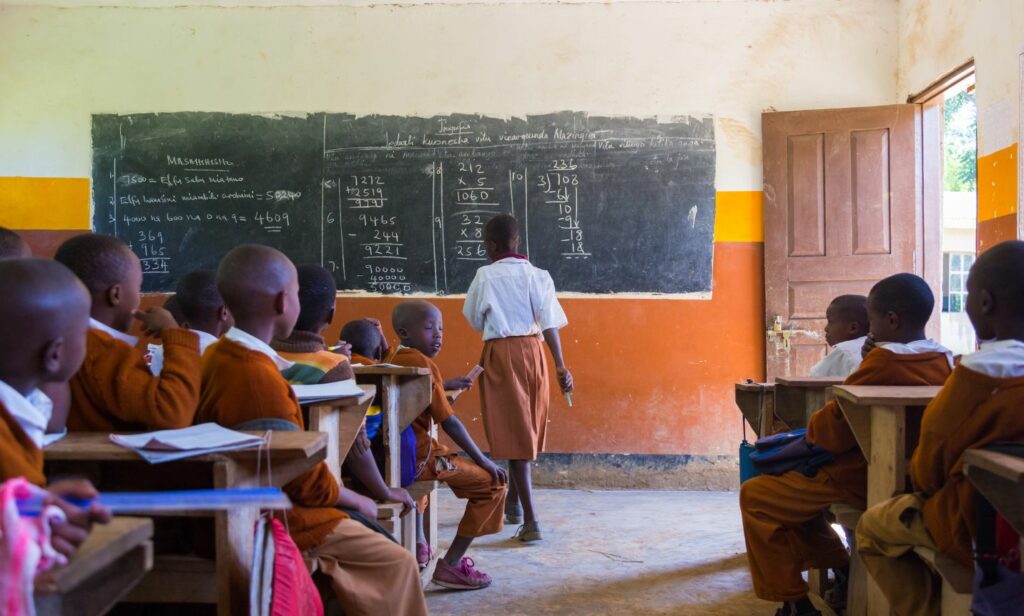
(115, 391)
(240, 385)
(19, 456)
(972, 410)
(438, 411)
(828, 429)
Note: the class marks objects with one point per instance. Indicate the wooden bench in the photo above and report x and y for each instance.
(957, 581)
(105, 568)
(184, 579)
(879, 419)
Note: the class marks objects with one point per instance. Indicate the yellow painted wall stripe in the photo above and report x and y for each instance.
(739, 216)
(997, 184)
(44, 203)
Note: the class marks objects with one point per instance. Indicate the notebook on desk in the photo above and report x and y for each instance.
(168, 445)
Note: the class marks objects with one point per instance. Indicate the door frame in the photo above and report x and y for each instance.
(930, 169)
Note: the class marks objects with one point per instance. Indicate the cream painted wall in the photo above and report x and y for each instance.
(936, 36)
(731, 58)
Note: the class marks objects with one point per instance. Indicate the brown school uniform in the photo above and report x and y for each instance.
(486, 498)
(114, 389)
(369, 574)
(784, 516)
(972, 410)
(19, 456)
(314, 363)
(514, 397)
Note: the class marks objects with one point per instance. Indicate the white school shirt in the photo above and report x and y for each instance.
(1000, 359)
(918, 346)
(255, 344)
(156, 351)
(32, 412)
(842, 361)
(103, 327)
(511, 297)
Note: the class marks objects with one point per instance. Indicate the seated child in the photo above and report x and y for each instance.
(114, 390)
(366, 341)
(43, 322)
(784, 521)
(313, 363)
(419, 326)
(12, 246)
(305, 348)
(979, 404)
(369, 573)
(846, 330)
(197, 306)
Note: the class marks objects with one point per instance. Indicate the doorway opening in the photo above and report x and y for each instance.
(959, 211)
(949, 158)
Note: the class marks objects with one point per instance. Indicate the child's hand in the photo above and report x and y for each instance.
(70, 534)
(155, 320)
(497, 473)
(401, 495)
(364, 506)
(869, 345)
(565, 379)
(343, 348)
(459, 382)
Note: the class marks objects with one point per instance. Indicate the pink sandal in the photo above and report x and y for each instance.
(423, 555)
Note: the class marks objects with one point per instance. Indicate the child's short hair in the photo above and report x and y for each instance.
(502, 230)
(362, 335)
(99, 261)
(11, 244)
(317, 292)
(907, 295)
(197, 296)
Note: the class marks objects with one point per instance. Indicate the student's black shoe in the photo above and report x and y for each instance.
(791, 609)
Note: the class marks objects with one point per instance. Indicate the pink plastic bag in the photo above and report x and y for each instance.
(25, 548)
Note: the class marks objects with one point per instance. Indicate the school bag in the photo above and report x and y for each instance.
(747, 470)
(406, 457)
(789, 451)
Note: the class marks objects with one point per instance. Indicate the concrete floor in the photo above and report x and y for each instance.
(611, 552)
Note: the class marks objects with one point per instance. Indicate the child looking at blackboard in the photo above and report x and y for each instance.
(513, 303)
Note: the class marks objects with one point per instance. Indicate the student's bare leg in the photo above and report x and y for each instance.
(521, 485)
(457, 550)
(513, 510)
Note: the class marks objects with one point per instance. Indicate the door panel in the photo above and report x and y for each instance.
(842, 210)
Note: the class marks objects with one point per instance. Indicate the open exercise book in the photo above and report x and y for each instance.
(308, 394)
(168, 445)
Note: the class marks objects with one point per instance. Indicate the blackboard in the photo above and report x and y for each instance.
(396, 204)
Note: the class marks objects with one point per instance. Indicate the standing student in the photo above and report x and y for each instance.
(513, 303)
(980, 404)
(114, 390)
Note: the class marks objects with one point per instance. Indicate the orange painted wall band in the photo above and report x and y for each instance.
(739, 216)
(997, 184)
(44, 203)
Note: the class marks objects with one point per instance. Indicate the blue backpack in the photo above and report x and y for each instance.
(789, 451)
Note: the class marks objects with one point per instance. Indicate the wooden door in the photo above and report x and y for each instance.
(843, 209)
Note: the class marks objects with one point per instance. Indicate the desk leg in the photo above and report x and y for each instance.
(234, 531)
(389, 423)
(324, 418)
(887, 463)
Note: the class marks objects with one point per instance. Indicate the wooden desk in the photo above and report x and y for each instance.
(114, 468)
(110, 563)
(404, 395)
(757, 404)
(1000, 478)
(797, 398)
(878, 417)
(340, 419)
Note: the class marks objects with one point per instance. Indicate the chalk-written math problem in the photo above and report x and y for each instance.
(398, 204)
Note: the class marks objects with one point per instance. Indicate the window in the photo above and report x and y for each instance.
(956, 265)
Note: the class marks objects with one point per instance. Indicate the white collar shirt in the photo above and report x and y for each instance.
(511, 297)
(255, 344)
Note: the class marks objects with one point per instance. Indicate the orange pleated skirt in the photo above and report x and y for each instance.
(514, 397)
